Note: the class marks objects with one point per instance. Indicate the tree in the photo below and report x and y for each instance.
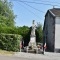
(25, 32)
(39, 32)
(6, 13)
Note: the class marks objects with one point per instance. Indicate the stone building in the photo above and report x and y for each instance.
(51, 30)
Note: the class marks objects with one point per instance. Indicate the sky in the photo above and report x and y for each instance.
(27, 12)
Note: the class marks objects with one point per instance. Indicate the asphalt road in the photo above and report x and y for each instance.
(28, 56)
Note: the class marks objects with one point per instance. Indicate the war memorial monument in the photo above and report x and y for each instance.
(32, 42)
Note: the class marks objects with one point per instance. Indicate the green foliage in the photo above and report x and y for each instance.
(22, 30)
(25, 32)
(10, 42)
(8, 30)
(6, 13)
(39, 33)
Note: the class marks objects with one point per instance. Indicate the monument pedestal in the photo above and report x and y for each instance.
(32, 42)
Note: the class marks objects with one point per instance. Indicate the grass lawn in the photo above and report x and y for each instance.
(3, 52)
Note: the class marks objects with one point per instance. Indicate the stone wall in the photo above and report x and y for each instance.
(49, 31)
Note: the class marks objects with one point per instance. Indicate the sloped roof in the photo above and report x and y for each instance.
(56, 11)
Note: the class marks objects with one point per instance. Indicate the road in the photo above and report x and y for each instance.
(30, 56)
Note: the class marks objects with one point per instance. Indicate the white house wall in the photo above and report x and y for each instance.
(57, 33)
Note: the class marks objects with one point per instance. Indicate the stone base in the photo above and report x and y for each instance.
(32, 42)
(57, 50)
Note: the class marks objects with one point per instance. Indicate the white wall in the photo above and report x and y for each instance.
(57, 32)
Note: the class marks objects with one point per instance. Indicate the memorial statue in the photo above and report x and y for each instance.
(33, 28)
(32, 42)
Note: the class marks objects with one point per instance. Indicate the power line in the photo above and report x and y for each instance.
(38, 3)
(33, 8)
(46, 1)
(30, 6)
(25, 2)
(30, 11)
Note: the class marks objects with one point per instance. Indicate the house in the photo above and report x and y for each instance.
(51, 30)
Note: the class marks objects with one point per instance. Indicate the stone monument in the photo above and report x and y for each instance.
(32, 42)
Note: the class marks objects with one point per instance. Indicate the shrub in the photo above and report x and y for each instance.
(10, 42)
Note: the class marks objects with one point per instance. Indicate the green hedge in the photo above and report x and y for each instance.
(8, 30)
(10, 42)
